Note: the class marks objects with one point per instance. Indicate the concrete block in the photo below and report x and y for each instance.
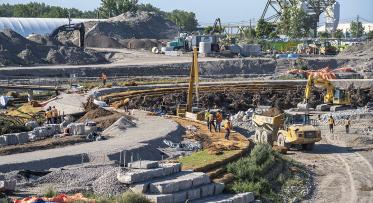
(168, 198)
(165, 187)
(140, 188)
(247, 197)
(22, 137)
(176, 167)
(185, 184)
(237, 199)
(194, 194)
(168, 170)
(7, 185)
(2, 141)
(200, 178)
(180, 197)
(143, 164)
(139, 175)
(11, 139)
(2, 177)
(219, 188)
(207, 190)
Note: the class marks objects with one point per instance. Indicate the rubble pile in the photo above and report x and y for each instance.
(137, 31)
(17, 50)
(364, 52)
(341, 116)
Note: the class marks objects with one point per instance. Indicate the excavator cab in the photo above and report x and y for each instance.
(341, 97)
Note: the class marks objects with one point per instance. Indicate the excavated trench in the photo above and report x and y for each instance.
(233, 99)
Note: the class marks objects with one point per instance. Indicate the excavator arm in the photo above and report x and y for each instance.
(70, 28)
(312, 82)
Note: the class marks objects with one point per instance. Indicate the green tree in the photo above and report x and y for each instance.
(149, 8)
(356, 28)
(294, 23)
(249, 33)
(110, 8)
(324, 34)
(186, 21)
(338, 34)
(264, 29)
(370, 35)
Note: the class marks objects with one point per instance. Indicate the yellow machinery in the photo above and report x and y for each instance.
(335, 99)
(286, 130)
(182, 109)
(327, 49)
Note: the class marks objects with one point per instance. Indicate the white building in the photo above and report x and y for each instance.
(346, 27)
(27, 26)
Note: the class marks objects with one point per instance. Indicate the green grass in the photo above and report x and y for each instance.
(203, 158)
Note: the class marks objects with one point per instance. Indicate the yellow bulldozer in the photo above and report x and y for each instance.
(288, 129)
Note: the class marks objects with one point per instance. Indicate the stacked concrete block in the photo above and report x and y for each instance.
(143, 164)
(40, 133)
(76, 128)
(168, 184)
(22, 137)
(2, 141)
(7, 185)
(141, 175)
(11, 139)
(56, 128)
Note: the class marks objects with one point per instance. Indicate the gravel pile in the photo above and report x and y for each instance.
(97, 179)
(17, 50)
(139, 28)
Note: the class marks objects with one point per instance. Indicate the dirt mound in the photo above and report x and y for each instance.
(359, 50)
(142, 25)
(17, 50)
(44, 40)
(95, 113)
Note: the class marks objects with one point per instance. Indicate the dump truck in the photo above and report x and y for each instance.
(288, 129)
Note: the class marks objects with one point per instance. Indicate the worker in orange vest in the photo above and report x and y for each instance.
(219, 119)
(227, 127)
(48, 115)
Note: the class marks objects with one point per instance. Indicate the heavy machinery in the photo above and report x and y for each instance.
(71, 28)
(217, 28)
(187, 110)
(334, 100)
(286, 129)
(326, 48)
(179, 43)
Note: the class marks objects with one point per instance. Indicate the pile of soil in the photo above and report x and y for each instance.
(103, 118)
(95, 113)
(364, 52)
(141, 25)
(17, 50)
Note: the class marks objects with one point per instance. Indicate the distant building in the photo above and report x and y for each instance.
(346, 27)
(27, 26)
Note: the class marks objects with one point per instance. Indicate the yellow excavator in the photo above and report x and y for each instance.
(335, 99)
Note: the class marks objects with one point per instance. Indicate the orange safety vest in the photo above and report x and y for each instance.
(219, 117)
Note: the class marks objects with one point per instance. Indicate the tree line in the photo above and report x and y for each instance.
(185, 20)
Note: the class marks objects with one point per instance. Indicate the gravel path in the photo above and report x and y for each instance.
(149, 128)
(343, 173)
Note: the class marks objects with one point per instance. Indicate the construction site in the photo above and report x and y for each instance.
(133, 109)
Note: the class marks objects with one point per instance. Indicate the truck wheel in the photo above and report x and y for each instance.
(281, 140)
(309, 147)
(257, 136)
(266, 138)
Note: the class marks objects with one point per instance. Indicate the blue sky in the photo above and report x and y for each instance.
(208, 10)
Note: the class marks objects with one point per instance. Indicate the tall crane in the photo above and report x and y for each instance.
(313, 8)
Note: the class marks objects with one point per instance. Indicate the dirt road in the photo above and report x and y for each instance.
(343, 173)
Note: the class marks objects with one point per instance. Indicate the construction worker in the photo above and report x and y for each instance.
(212, 122)
(48, 115)
(347, 125)
(219, 119)
(54, 115)
(227, 127)
(126, 103)
(207, 117)
(331, 124)
(104, 79)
